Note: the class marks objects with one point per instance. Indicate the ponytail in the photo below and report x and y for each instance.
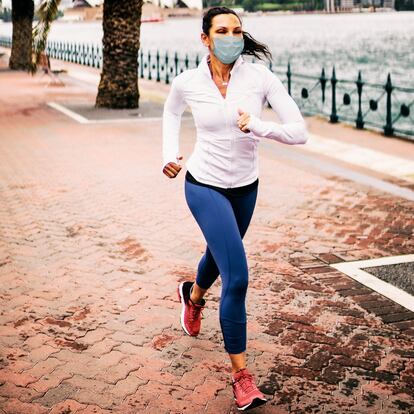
(254, 48)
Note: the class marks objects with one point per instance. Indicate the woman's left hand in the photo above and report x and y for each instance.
(243, 120)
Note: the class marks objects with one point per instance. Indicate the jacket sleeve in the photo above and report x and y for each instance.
(171, 123)
(292, 129)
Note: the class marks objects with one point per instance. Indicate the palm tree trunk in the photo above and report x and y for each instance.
(118, 87)
(22, 17)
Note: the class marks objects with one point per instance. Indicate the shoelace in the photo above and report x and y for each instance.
(246, 382)
(195, 312)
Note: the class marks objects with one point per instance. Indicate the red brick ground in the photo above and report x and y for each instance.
(93, 240)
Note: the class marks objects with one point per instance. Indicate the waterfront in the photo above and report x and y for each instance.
(375, 43)
(90, 322)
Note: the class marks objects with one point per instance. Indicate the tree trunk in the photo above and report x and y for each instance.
(118, 87)
(22, 17)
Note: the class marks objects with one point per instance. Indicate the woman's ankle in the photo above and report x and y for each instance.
(196, 299)
(238, 362)
(234, 371)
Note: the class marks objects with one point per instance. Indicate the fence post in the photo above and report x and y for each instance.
(149, 65)
(176, 63)
(158, 66)
(83, 54)
(323, 81)
(141, 63)
(388, 129)
(359, 120)
(186, 62)
(289, 81)
(334, 117)
(167, 69)
(87, 56)
(100, 57)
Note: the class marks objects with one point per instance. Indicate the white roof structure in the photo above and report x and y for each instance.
(191, 4)
(95, 2)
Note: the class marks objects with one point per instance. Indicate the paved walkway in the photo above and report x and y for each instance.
(94, 239)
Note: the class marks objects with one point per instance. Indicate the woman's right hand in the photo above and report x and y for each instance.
(172, 169)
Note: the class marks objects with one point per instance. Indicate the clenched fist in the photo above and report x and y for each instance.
(243, 120)
(172, 169)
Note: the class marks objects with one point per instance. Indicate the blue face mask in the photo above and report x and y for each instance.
(228, 48)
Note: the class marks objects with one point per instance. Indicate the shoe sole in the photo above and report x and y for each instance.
(180, 294)
(257, 402)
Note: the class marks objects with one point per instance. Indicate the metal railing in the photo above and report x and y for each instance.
(382, 107)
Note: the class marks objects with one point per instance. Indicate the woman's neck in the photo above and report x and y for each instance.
(218, 69)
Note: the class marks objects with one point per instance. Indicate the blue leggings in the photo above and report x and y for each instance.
(224, 220)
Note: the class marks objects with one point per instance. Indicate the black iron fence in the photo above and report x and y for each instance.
(382, 107)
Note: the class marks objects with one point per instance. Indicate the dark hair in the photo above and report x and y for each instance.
(251, 46)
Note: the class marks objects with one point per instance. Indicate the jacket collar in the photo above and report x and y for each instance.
(203, 65)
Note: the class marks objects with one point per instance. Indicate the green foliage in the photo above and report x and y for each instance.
(249, 5)
(6, 15)
(37, 17)
(47, 13)
(401, 5)
(212, 3)
(290, 5)
(276, 6)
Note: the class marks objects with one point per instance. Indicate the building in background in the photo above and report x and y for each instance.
(152, 10)
(87, 10)
(191, 4)
(332, 6)
(84, 10)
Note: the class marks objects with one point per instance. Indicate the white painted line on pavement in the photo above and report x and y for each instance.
(353, 270)
(364, 157)
(68, 112)
(85, 76)
(82, 120)
(332, 168)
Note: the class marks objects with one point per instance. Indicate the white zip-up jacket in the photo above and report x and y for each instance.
(225, 156)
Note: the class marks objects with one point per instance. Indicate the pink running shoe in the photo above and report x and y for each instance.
(190, 312)
(246, 394)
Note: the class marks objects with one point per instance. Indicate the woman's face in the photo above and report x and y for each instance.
(222, 25)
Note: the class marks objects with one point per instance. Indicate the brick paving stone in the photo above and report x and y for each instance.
(24, 394)
(93, 409)
(19, 379)
(90, 319)
(42, 352)
(44, 367)
(67, 406)
(53, 380)
(15, 406)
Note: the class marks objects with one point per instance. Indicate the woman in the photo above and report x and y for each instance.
(226, 95)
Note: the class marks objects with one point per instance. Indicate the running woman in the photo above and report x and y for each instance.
(226, 95)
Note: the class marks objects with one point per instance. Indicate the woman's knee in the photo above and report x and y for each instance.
(237, 285)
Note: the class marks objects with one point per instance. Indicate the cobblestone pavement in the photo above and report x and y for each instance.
(94, 239)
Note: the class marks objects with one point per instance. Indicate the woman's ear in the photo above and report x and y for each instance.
(205, 39)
